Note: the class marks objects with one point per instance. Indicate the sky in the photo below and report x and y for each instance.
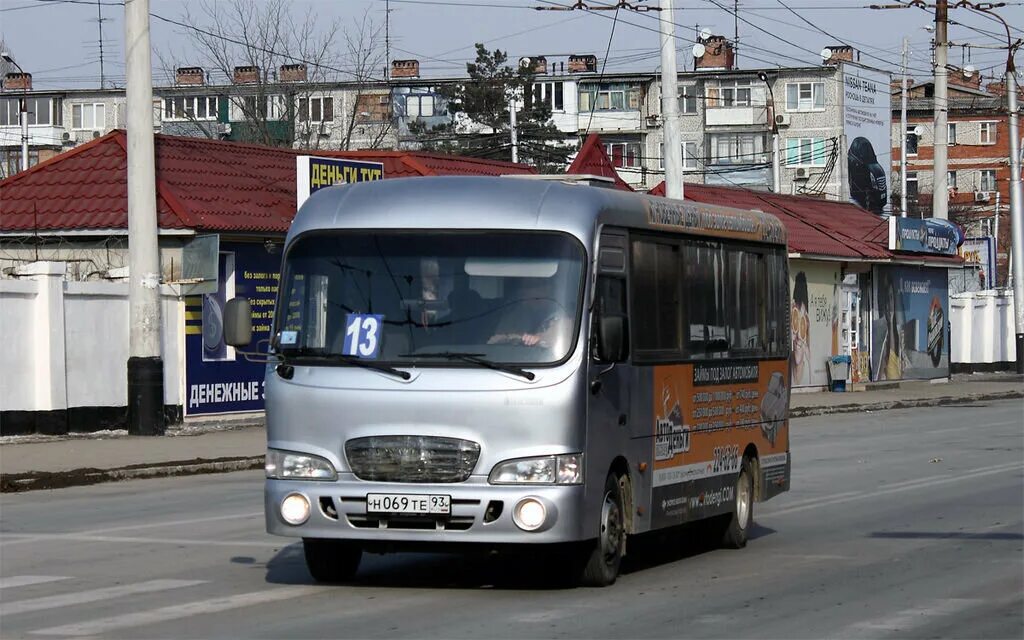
(58, 40)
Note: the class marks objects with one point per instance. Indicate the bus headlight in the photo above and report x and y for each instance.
(564, 469)
(288, 465)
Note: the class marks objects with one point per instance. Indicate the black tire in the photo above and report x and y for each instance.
(604, 555)
(742, 516)
(331, 560)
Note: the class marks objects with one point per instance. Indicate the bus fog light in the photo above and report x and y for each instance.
(529, 514)
(295, 508)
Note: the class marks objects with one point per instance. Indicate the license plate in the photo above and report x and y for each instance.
(408, 503)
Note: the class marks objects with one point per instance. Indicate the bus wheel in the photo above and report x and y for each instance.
(605, 556)
(735, 535)
(331, 560)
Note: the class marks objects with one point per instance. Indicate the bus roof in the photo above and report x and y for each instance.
(470, 202)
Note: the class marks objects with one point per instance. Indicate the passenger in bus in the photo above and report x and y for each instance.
(532, 316)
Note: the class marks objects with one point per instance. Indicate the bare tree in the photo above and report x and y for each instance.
(368, 115)
(5, 67)
(263, 37)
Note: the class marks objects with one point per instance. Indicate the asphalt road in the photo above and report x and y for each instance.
(902, 524)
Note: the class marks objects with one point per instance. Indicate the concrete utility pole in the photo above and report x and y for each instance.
(940, 191)
(22, 110)
(776, 153)
(512, 127)
(1016, 211)
(903, 132)
(670, 105)
(145, 365)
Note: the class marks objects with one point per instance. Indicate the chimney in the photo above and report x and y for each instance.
(405, 68)
(189, 76)
(18, 81)
(718, 54)
(293, 73)
(958, 77)
(839, 53)
(537, 64)
(582, 64)
(998, 88)
(247, 75)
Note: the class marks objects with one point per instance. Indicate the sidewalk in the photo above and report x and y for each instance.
(41, 462)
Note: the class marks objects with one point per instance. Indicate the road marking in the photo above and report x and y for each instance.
(24, 581)
(94, 595)
(178, 611)
(840, 498)
(917, 616)
(71, 537)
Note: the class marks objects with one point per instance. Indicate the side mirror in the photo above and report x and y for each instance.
(238, 322)
(611, 338)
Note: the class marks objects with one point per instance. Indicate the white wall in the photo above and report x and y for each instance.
(67, 342)
(981, 327)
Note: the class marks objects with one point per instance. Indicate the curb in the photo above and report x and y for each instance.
(38, 480)
(821, 410)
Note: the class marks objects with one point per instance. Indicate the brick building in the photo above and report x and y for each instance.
(979, 152)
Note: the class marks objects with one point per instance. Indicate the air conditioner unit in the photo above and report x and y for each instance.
(782, 119)
(384, 100)
(96, 134)
(982, 196)
(802, 173)
(323, 130)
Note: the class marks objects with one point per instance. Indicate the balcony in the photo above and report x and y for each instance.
(736, 116)
(39, 135)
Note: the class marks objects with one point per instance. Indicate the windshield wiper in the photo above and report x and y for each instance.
(339, 357)
(473, 358)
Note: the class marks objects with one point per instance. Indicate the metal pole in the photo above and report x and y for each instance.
(995, 232)
(940, 191)
(24, 133)
(670, 105)
(776, 162)
(1016, 212)
(145, 365)
(512, 127)
(903, 133)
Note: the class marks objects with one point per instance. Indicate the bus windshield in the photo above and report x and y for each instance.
(431, 297)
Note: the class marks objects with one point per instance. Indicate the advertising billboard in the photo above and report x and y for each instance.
(867, 124)
(815, 319)
(313, 173)
(927, 235)
(909, 326)
(979, 254)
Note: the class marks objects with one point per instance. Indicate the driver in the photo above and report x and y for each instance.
(533, 317)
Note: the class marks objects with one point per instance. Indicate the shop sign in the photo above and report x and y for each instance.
(313, 173)
(928, 235)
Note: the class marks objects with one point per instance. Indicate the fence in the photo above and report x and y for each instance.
(982, 331)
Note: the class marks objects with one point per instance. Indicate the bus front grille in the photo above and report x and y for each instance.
(412, 458)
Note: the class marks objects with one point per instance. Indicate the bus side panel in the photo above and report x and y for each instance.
(705, 415)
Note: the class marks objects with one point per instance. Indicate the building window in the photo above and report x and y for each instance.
(911, 185)
(624, 154)
(805, 152)
(988, 180)
(191, 108)
(10, 162)
(88, 116)
(10, 109)
(550, 93)
(737, 148)
(988, 133)
(419, 106)
(951, 133)
(688, 98)
(805, 96)
(689, 156)
(729, 94)
(609, 97)
(316, 109)
(40, 111)
(951, 180)
(911, 139)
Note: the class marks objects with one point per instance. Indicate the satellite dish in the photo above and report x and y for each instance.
(826, 54)
(969, 71)
(704, 34)
(524, 62)
(699, 50)
(918, 131)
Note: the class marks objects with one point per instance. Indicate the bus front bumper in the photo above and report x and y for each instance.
(480, 513)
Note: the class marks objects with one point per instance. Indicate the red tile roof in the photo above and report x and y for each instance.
(202, 184)
(815, 227)
(592, 160)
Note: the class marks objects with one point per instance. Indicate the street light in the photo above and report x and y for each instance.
(23, 112)
(776, 161)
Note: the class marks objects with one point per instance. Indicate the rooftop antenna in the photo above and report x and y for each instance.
(736, 32)
(100, 20)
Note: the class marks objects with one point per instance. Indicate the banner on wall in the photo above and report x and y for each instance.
(909, 337)
(867, 124)
(313, 173)
(218, 380)
(815, 320)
